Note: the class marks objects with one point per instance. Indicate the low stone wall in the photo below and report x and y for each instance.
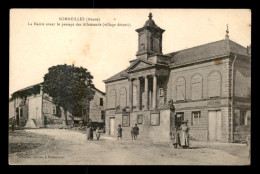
(160, 132)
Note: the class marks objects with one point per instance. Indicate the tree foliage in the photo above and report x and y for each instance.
(68, 86)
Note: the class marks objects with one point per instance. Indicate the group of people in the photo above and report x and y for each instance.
(90, 132)
(180, 136)
(134, 132)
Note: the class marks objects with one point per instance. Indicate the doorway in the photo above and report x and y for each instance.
(179, 117)
(112, 126)
(214, 125)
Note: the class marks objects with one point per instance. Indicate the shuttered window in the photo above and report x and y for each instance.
(112, 99)
(126, 121)
(180, 89)
(214, 84)
(196, 87)
(123, 97)
(195, 119)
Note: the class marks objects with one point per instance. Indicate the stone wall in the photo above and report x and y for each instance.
(155, 133)
(117, 86)
(203, 69)
(95, 108)
(35, 109)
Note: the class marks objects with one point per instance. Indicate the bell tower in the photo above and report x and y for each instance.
(149, 39)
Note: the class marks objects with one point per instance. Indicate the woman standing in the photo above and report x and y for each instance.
(184, 134)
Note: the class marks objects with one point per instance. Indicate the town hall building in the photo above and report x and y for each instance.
(209, 85)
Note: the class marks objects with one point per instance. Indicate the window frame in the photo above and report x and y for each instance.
(179, 84)
(140, 117)
(193, 82)
(112, 105)
(54, 113)
(101, 102)
(128, 120)
(198, 122)
(161, 92)
(210, 80)
(242, 120)
(158, 119)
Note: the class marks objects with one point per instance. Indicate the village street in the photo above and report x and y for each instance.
(67, 147)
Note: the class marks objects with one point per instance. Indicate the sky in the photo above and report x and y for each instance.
(107, 50)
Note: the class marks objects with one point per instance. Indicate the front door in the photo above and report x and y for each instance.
(112, 126)
(179, 117)
(214, 126)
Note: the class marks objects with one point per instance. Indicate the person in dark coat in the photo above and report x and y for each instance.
(91, 133)
(119, 132)
(136, 131)
(184, 134)
(175, 137)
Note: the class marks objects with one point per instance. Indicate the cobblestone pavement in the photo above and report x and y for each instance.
(66, 147)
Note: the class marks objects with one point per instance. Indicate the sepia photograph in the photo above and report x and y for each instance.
(130, 87)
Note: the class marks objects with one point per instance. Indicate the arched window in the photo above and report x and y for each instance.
(180, 89)
(214, 84)
(123, 97)
(112, 99)
(196, 87)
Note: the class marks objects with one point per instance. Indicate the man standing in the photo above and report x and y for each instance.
(136, 131)
(119, 132)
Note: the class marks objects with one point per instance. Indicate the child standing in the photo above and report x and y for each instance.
(175, 137)
(119, 131)
(132, 133)
(98, 133)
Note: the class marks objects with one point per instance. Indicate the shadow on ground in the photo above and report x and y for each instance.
(22, 147)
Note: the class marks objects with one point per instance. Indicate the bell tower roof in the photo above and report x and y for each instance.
(150, 24)
(149, 39)
(150, 21)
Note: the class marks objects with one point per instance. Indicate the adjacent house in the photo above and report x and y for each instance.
(33, 108)
(209, 85)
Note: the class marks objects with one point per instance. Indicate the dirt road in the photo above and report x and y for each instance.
(66, 147)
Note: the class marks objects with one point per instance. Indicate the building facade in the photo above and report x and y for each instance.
(209, 85)
(36, 109)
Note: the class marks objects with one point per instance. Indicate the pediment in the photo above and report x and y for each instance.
(139, 65)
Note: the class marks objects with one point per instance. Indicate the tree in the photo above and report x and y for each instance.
(68, 86)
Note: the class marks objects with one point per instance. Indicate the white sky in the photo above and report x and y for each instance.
(105, 51)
